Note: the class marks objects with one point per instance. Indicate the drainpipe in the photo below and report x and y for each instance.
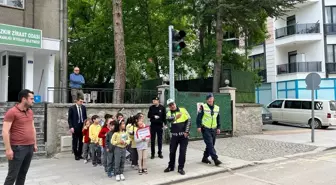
(65, 51)
(63, 54)
(324, 39)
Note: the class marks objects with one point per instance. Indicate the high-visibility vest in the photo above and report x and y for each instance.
(208, 120)
(184, 117)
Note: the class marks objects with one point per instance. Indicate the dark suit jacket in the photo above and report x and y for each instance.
(73, 117)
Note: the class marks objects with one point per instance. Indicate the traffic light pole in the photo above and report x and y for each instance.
(171, 64)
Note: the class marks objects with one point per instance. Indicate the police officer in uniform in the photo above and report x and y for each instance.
(180, 122)
(208, 123)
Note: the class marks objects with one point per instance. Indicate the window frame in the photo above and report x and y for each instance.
(260, 59)
(289, 103)
(282, 102)
(333, 47)
(5, 3)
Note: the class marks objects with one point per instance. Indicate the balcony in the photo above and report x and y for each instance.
(263, 75)
(330, 29)
(298, 67)
(298, 33)
(331, 68)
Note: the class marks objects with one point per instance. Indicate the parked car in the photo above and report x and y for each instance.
(298, 111)
(266, 115)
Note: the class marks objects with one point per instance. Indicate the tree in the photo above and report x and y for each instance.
(120, 55)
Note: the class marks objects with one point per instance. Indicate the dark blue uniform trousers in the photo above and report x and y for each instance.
(209, 137)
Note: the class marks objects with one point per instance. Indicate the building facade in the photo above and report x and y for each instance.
(30, 42)
(299, 43)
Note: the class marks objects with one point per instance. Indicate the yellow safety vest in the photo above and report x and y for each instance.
(208, 120)
(185, 115)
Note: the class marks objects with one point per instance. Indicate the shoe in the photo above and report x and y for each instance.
(77, 158)
(168, 170)
(140, 172)
(145, 171)
(181, 171)
(109, 174)
(160, 156)
(94, 165)
(118, 178)
(85, 161)
(206, 161)
(80, 157)
(217, 162)
(122, 177)
(152, 157)
(132, 166)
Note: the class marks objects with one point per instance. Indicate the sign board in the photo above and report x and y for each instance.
(20, 36)
(143, 132)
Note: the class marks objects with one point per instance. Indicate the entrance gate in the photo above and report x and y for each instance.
(189, 101)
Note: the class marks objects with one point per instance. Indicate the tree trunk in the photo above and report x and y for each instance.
(120, 56)
(219, 49)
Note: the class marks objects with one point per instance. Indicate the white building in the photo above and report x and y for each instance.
(301, 42)
(29, 46)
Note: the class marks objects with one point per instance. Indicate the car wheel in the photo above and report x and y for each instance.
(317, 124)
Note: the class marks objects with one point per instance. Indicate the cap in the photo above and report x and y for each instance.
(209, 96)
(170, 101)
(156, 98)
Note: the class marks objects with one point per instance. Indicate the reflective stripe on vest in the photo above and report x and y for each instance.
(208, 120)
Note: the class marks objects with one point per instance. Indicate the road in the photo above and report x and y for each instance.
(314, 170)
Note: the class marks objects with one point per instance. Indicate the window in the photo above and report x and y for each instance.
(13, 3)
(307, 105)
(276, 104)
(293, 104)
(332, 105)
(258, 61)
(330, 12)
(331, 53)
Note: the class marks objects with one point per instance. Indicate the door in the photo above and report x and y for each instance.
(15, 77)
(292, 64)
(292, 112)
(291, 25)
(276, 109)
(3, 76)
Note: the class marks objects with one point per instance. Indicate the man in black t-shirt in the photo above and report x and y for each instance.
(157, 116)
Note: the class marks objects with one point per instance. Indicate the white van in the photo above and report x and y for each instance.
(298, 111)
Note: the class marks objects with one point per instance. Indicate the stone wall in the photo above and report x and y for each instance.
(248, 119)
(57, 119)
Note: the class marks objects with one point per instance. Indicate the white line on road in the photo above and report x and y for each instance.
(257, 179)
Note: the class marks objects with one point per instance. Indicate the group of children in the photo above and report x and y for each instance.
(108, 143)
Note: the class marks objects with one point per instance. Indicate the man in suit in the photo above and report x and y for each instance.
(76, 116)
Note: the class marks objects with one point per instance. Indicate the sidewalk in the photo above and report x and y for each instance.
(67, 171)
(235, 153)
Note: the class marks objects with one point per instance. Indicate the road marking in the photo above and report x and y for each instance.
(257, 179)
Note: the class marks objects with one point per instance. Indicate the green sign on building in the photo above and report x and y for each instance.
(20, 36)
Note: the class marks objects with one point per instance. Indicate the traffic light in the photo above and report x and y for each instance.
(178, 42)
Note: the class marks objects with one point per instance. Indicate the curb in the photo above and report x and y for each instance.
(197, 176)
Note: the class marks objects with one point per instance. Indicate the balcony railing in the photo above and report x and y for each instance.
(330, 29)
(299, 67)
(297, 29)
(331, 68)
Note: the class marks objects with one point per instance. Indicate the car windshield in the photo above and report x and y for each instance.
(332, 105)
(264, 110)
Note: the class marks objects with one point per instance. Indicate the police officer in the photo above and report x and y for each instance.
(208, 123)
(180, 122)
(157, 116)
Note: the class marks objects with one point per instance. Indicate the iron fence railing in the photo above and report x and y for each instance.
(297, 29)
(296, 67)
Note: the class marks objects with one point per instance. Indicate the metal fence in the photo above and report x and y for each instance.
(102, 95)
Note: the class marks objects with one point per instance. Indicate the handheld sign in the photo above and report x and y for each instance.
(143, 132)
(313, 81)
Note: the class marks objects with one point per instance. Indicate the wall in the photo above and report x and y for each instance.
(297, 89)
(11, 16)
(47, 17)
(248, 119)
(257, 50)
(57, 119)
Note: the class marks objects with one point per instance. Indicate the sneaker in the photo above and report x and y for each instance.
(118, 178)
(109, 174)
(85, 161)
(140, 172)
(122, 177)
(206, 161)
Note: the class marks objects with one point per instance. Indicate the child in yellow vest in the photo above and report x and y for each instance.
(95, 141)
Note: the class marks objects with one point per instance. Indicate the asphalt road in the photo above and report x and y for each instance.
(310, 170)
